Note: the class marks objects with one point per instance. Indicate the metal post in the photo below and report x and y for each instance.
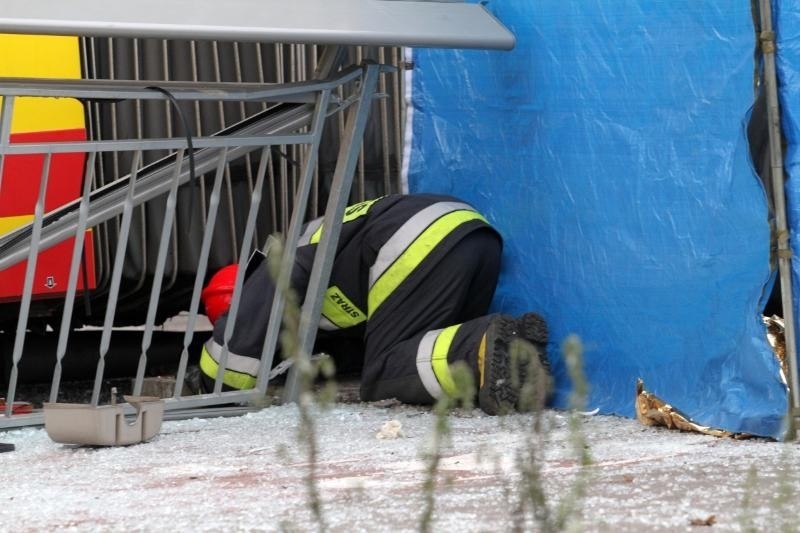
(767, 39)
(349, 150)
(77, 254)
(116, 277)
(155, 290)
(202, 266)
(247, 240)
(27, 291)
(292, 236)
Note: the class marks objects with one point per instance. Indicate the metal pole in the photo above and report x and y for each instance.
(292, 236)
(349, 150)
(27, 291)
(767, 39)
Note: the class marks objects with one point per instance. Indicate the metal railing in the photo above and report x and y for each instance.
(139, 173)
(160, 60)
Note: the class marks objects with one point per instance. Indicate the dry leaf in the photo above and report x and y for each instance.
(653, 411)
(710, 521)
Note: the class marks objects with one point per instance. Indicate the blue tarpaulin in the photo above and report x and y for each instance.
(609, 149)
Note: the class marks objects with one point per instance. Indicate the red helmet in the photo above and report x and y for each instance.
(219, 291)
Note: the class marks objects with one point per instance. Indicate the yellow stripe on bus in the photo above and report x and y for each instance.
(42, 56)
(8, 224)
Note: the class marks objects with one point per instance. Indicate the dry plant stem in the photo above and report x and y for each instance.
(746, 513)
(569, 507)
(306, 372)
(528, 461)
(781, 503)
(530, 458)
(465, 392)
(440, 431)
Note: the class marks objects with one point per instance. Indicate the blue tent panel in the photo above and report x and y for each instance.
(609, 150)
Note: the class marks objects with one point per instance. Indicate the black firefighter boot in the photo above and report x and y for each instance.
(513, 366)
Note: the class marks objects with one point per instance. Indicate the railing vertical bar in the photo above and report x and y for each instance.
(143, 248)
(282, 165)
(174, 273)
(237, 63)
(202, 266)
(397, 120)
(27, 291)
(326, 249)
(255, 201)
(292, 237)
(273, 198)
(384, 107)
(361, 173)
(232, 237)
(198, 125)
(173, 277)
(116, 277)
(161, 260)
(260, 69)
(315, 185)
(96, 132)
(72, 283)
(167, 76)
(113, 107)
(232, 233)
(294, 76)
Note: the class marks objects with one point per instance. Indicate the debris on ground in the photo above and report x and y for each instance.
(653, 411)
(391, 430)
(709, 521)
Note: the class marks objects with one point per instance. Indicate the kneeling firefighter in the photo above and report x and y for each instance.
(412, 280)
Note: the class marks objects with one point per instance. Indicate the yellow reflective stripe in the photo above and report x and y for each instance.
(231, 378)
(310, 230)
(415, 254)
(441, 368)
(317, 235)
(350, 213)
(339, 310)
(407, 233)
(482, 358)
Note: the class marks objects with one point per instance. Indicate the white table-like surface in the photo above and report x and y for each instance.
(345, 22)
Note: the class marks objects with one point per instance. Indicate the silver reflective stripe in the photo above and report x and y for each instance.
(237, 363)
(424, 367)
(327, 325)
(311, 228)
(408, 233)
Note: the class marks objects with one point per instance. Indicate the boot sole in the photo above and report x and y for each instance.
(498, 395)
(533, 329)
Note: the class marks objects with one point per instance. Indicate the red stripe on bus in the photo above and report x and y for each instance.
(22, 174)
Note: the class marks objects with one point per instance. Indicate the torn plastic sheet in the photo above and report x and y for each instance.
(608, 147)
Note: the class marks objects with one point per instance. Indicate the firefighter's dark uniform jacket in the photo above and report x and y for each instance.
(412, 278)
